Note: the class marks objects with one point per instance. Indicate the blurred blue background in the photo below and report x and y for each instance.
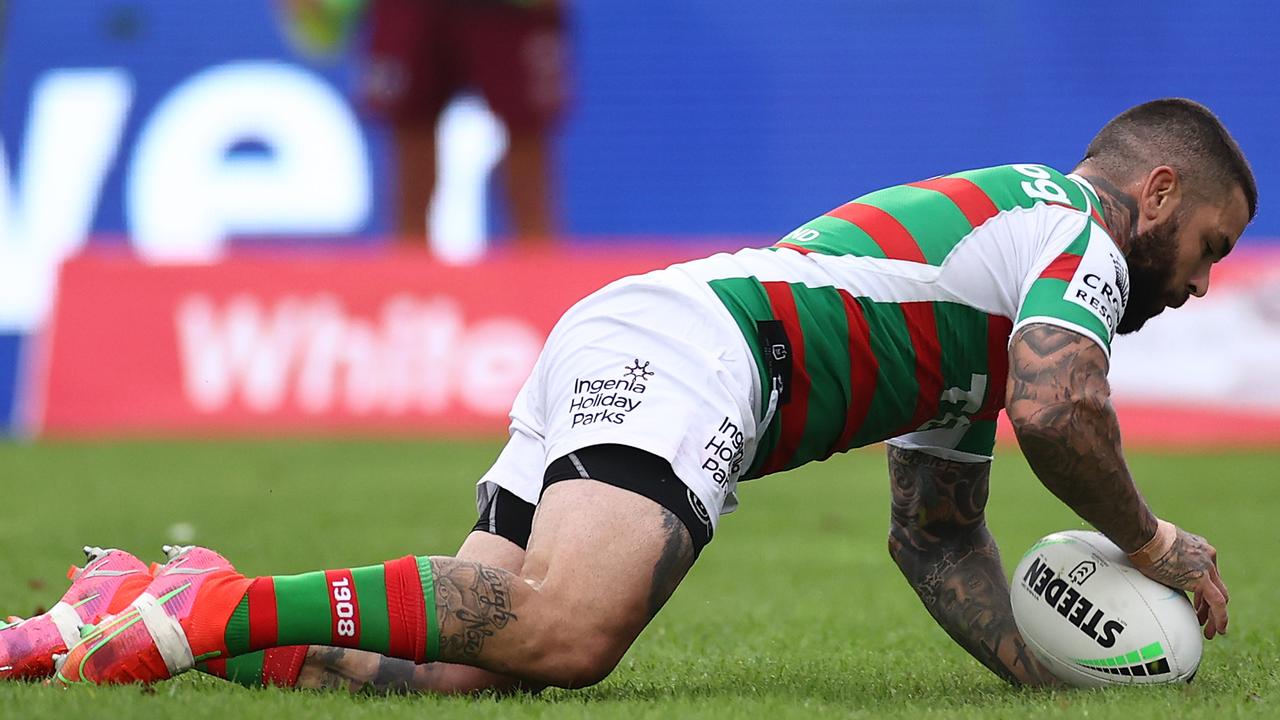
(690, 120)
(740, 118)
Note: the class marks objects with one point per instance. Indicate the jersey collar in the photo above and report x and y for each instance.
(1091, 195)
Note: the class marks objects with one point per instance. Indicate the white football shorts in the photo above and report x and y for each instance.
(654, 362)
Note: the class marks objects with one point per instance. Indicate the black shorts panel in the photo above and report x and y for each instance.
(506, 515)
(642, 473)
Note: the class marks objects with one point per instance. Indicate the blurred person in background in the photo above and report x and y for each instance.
(423, 53)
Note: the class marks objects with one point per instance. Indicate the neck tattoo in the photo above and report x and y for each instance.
(1118, 207)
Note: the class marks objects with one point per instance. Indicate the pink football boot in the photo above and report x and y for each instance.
(108, 582)
(148, 641)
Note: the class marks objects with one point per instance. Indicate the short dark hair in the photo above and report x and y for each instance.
(1180, 133)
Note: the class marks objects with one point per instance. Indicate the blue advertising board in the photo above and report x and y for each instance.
(750, 117)
(10, 347)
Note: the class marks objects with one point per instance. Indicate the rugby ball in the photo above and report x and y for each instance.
(1094, 620)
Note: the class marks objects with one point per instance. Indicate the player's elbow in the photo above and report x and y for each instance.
(1035, 424)
(910, 546)
(1057, 417)
(897, 550)
(908, 556)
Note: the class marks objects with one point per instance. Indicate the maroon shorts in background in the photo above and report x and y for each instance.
(423, 52)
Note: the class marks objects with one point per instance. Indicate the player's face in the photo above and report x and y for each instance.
(1171, 261)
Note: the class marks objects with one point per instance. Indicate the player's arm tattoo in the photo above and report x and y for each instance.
(1059, 402)
(474, 602)
(1186, 563)
(939, 539)
(358, 671)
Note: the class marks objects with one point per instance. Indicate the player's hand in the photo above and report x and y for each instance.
(1189, 563)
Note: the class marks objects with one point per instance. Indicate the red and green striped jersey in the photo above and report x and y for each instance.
(898, 306)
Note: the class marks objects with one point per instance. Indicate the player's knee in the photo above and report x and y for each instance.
(573, 655)
(586, 663)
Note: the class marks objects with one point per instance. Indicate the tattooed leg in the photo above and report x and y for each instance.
(474, 602)
(601, 562)
(939, 539)
(331, 668)
(361, 671)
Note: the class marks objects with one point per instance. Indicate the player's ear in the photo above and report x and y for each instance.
(1160, 195)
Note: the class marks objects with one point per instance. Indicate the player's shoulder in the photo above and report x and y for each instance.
(1029, 186)
(1015, 173)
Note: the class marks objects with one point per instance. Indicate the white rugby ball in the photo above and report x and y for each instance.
(1094, 620)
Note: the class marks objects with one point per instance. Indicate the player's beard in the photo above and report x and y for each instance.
(1151, 259)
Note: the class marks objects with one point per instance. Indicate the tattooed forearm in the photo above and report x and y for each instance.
(356, 671)
(473, 603)
(965, 591)
(1059, 402)
(939, 539)
(938, 498)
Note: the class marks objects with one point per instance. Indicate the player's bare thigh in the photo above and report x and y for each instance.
(603, 561)
(568, 550)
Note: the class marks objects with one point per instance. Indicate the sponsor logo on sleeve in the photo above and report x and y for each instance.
(1101, 286)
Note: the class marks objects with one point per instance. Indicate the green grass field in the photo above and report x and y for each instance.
(794, 611)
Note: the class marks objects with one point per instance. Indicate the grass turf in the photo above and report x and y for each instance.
(794, 611)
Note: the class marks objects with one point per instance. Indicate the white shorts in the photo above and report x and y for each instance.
(654, 362)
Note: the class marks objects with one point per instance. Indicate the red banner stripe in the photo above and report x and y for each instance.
(967, 196)
(863, 369)
(344, 608)
(884, 229)
(177, 315)
(263, 622)
(922, 327)
(795, 414)
(998, 329)
(1063, 267)
(793, 246)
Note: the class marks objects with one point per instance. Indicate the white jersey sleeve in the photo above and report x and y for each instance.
(1079, 283)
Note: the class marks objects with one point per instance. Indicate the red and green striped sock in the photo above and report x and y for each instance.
(274, 666)
(388, 609)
